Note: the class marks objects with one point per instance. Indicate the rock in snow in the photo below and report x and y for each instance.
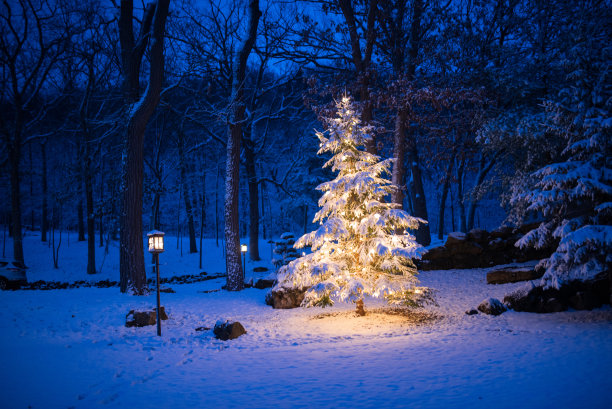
(285, 298)
(492, 306)
(513, 273)
(228, 330)
(144, 318)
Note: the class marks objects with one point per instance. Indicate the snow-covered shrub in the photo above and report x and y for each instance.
(284, 252)
(362, 246)
(575, 195)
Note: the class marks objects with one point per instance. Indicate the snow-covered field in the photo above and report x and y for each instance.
(70, 348)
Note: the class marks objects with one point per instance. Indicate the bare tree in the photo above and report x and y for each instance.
(140, 108)
(235, 275)
(32, 39)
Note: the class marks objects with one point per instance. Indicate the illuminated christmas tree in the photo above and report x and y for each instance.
(363, 246)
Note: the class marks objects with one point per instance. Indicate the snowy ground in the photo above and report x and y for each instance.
(70, 348)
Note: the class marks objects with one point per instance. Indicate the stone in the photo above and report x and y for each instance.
(163, 314)
(512, 274)
(228, 330)
(577, 294)
(472, 311)
(492, 306)
(584, 300)
(553, 305)
(503, 232)
(260, 269)
(479, 236)
(454, 238)
(167, 290)
(263, 283)
(199, 329)
(144, 318)
(285, 298)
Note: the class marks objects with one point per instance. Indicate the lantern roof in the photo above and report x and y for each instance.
(155, 233)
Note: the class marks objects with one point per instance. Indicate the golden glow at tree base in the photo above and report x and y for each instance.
(363, 245)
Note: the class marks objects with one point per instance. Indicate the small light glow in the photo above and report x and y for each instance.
(156, 241)
(243, 248)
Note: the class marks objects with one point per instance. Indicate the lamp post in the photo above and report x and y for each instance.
(156, 246)
(243, 249)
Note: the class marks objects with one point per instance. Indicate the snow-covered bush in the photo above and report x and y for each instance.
(575, 195)
(284, 252)
(362, 246)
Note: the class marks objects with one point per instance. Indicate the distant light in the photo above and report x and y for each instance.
(156, 241)
(243, 248)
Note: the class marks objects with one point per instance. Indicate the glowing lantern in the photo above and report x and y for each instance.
(156, 241)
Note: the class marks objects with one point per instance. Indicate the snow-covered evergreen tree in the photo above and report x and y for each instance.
(575, 196)
(362, 246)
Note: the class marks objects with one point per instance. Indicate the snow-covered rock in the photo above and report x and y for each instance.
(492, 306)
(228, 330)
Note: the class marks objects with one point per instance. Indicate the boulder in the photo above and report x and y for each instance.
(584, 300)
(228, 330)
(580, 295)
(260, 269)
(502, 232)
(523, 299)
(512, 274)
(479, 236)
(455, 238)
(263, 283)
(285, 298)
(553, 305)
(143, 318)
(492, 306)
(472, 311)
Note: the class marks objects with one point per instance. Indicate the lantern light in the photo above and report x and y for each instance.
(156, 246)
(243, 248)
(156, 241)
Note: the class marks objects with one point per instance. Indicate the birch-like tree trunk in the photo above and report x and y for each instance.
(235, 275)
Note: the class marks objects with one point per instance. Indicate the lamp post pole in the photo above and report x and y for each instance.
(158, 308)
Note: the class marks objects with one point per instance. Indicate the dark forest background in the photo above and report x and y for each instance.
(120, 117)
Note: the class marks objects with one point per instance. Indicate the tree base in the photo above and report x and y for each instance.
(359, 309)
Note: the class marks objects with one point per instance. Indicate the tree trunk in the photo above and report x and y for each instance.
(399, 153)
(361, 60)
(186, 197)
(483, 171)
(91, 234)
(235, 275)
(460, 172)
(14, 149)
(31, 187)
(445, 187)
(202, 214)
(193, 248)
(217, 206)
(262, 188)
(253, 188)
(44, 228)
(80, 216)
(419, 201)
(131, 259)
